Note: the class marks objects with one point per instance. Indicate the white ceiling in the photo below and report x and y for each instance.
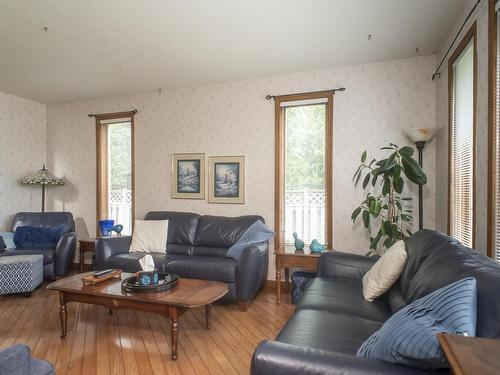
(97, 48)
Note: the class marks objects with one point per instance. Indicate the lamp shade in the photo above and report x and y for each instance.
(43, 177)
(420, 134)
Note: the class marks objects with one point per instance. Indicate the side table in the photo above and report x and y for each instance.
(471, 355)
(86, 245)
(287, 257)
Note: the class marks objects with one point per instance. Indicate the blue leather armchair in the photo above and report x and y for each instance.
(56, 261)
(17, 360)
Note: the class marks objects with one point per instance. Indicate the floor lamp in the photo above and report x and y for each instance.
(43, 177)
(420, 136)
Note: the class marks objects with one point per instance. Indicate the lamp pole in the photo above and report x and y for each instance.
(420, 147)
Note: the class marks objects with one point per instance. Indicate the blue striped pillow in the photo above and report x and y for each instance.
(409, 336)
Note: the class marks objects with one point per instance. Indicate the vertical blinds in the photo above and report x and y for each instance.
(496, 203)
(462, 147)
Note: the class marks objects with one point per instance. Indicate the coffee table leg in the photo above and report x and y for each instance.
(63, 315)
(174, 331)
(208, 310)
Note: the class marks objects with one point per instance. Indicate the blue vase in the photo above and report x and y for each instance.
(299, 244)
(105, 227)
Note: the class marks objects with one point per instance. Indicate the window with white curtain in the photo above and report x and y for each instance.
(461, 132)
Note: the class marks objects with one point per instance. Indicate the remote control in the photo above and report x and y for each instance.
(103, 273)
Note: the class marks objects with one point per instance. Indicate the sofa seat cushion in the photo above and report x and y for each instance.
(48, 253)
(327, 331)
(345, 296)
(206, 268)
(129, 262)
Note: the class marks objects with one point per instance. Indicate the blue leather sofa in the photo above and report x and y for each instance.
(57, 260)
(333, 320)
(197, 248)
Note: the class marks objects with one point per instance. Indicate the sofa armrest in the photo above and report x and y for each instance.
(252, 271)
(106, 247)
(15, 360)
(65, 253)
(341, 264)
(278, 358)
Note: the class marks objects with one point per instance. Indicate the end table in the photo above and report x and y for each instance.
(287, 257)
(86, 245)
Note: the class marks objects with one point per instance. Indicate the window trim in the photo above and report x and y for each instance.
(279, 162)
(470, 35)
(101, 162)
(492, 105)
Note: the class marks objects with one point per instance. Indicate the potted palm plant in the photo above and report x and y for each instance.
(387, 215)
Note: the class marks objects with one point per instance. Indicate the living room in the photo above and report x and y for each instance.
(195, 161)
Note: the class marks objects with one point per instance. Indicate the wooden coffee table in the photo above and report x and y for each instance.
(172, 303)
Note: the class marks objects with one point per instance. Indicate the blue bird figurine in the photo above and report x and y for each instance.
(299, 244)
(118, 229)
(316, 247)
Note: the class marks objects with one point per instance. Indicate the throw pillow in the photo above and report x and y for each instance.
(149, 236)
(257, 232)
(409, 336)
(37, 237)
(8, 239)
(385, 272)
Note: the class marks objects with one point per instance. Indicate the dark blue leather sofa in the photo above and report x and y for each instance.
(197, 248)
(57, 260)
(333, 319)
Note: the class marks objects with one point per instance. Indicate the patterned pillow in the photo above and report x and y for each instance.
(409, 336)
(27, 237)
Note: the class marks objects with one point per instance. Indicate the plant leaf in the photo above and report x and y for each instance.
(366, 218)
(357, 179)
(366, 180)
(363, 156)
(386, 186)
(398, 185)
(406, 151)
(413, 171)
(355, 214)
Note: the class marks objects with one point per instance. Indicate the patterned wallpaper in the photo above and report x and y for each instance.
(23, 144)
(233, 118)
(481, 144)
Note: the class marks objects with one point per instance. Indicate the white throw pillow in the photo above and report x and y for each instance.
(385, 272)
(149, 236)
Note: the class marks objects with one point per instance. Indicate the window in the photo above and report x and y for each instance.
(304, 167)
(115, 168)
(494, 134)
(462, 79)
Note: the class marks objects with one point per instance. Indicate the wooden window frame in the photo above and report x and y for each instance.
(280, 159)
(470, 35)
(101, 162)
(492, 105)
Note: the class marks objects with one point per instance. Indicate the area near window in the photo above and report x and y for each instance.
(462, 87)
(494, 133)
(115, 168)
(304, 167)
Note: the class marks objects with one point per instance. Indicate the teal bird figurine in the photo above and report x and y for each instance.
(299, 244)
(316, 247)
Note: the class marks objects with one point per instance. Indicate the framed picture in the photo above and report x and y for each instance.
(226, 179)
(188, 176)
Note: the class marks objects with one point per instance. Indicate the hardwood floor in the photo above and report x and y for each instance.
(129, 342)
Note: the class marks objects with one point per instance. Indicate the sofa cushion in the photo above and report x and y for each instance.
(409, 337)
(345, 296)
(181, 225)
(177, 249)
(221, 231)
(48, 253)
(436, 260)
(129, 262)
(206, 268)
(30, 237)
(209, 251)
(327, 330)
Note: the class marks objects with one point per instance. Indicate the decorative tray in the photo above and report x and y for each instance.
(166, 281)
(93, 280)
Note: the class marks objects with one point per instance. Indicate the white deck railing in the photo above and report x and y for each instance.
(120, 208)
(304, 213)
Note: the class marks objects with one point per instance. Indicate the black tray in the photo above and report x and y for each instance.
(165, 282)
